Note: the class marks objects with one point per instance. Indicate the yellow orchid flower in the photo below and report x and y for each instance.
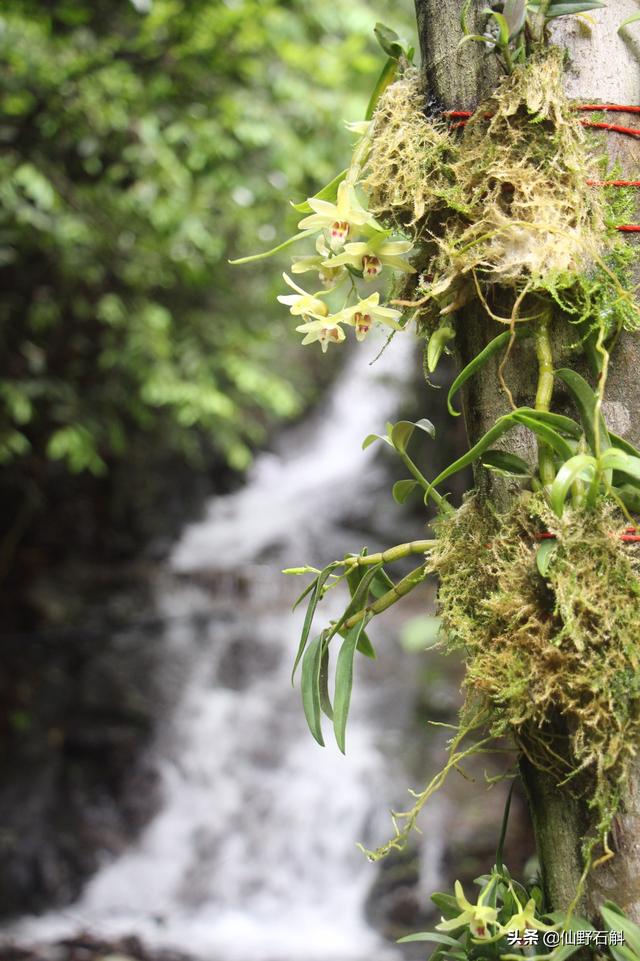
(324, 330)
(339, 218)
(525, 918)
(366, 312)
(329, 276)
(372, 256)
(477, 916)
(302, 303)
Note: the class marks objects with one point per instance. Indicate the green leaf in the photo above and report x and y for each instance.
(302, 596)
(437, 343)
(402, 489)
(623, 444)
(431, 936)
(478, 38)
(387, 76)
(629, 494)
(365, 646)
(316, 594)
(328, 192)
(310, 686)
(323, 684)
(401, 435)
(344, 682)
(615, 920)
(613, 459)
(358, 600)
(523, 415)
(388, 40)
(632, 19)
(402, 432)
(503, 26)
(544, 556)
(580, 467)
(274, 250)
(585, 399)
(565, 9)
(545, 433)
(503, 462)
(564, 425)
(447, 904)
(372, 438)
(515, 14)
(479, 361)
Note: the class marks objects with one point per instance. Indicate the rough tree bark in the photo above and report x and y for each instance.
(603, 67)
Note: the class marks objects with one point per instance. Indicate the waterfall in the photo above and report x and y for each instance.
(253, 854)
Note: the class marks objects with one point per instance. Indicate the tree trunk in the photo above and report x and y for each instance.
(602, 67)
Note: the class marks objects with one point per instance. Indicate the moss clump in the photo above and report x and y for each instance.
(504, 206)
(554, 659)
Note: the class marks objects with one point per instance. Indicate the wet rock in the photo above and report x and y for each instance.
(76, 784)
(85, 947)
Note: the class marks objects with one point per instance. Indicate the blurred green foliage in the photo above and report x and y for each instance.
(141, 148)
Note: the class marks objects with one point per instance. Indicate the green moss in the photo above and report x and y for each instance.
(553, 660)
(506, 205)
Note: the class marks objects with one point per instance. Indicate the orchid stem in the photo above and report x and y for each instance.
(392, 554)
(544, 392)
(401, 589)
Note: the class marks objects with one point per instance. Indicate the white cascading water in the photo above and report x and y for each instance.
(253, 855)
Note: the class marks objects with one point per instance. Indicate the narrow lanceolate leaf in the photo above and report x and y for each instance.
(623, 445)
(328, 192)
(563, 425)
(302, 596)
(323, 685)
(505, 463)
(430, 936)
(566, 9)
(545, 433)
(310, 687)
(274, 250)
(402, 489)
(617, 460)
(358, 600)
(616, 920)
(479, 361)
(387, 76)
(503, 26)
(544, 556)
(632, 19)
(585, 399)
(524, 416)
(344, 682)
(580, 467)
(316, 594)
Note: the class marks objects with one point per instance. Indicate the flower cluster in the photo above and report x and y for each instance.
(483, 919)
(351, 246)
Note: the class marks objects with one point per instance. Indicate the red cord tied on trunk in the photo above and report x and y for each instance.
(462, 116)
(629, 536)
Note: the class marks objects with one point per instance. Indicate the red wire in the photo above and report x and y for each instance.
(629, 536)
(608, 106)
(613, 183)
(616, 128)
(600, 125)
